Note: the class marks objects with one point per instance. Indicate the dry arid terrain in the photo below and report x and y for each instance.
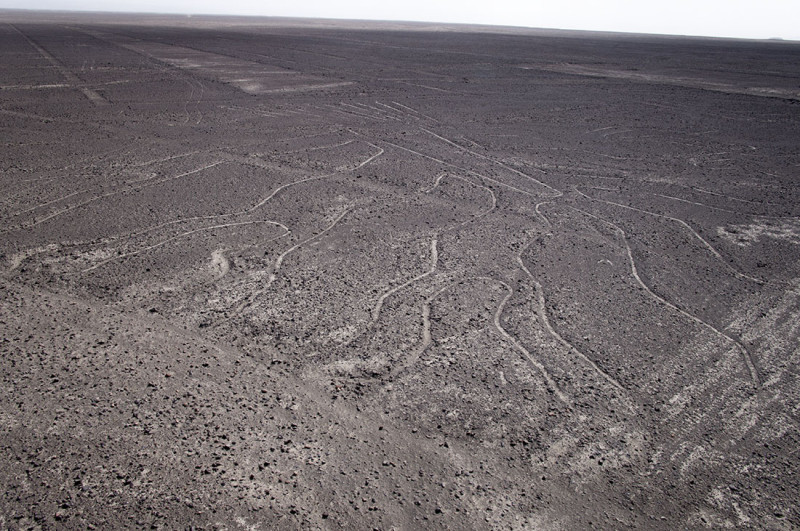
(283, 274)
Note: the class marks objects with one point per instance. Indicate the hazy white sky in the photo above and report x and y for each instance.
(759, 19)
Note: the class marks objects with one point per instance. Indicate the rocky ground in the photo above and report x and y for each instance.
(279, 274)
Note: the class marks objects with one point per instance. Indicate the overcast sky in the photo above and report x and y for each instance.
(759, 19)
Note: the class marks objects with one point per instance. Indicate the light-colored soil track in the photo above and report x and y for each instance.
(551, 384)
(748, 361)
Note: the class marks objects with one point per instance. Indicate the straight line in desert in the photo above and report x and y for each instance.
(431, 118)
(70, 77)
(558, 193)
(399, 112)
(680, 199)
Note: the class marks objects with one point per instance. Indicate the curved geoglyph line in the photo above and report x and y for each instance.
(702, 240)
(556, 193)
(541, 311)
(184, 234)
(115, 192)
(426, 338)
(273, 276)
(434, 246)
(242, 212)
(376, 310)
(748, 360)
(525, 352)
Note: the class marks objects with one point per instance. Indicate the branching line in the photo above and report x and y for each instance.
(253, 208)
(279, 262)
(115, 192)
(425, 335)
(376, 311)
(557, 193)
(469, 172)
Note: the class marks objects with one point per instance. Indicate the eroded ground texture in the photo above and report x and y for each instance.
(284, 274)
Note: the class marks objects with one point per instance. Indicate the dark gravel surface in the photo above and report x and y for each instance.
(283, 274)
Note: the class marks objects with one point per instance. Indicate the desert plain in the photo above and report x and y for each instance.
(297, 274)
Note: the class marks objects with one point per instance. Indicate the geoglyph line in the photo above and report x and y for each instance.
(517, 345)
(425, 335)
(557, 193)
(705, 243)
(469, 172)
(381, 113)
(115, 192)
(680, 199)
(406, 107)
(435, 184)
(69, 76)
(255, 207)
(492, 196)
(541, 310)
(183, 234)
(539, 212)
(745, 353)
(401, 113)
(270, 196)
(279, 262)
(376, 310)
(135, 181)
